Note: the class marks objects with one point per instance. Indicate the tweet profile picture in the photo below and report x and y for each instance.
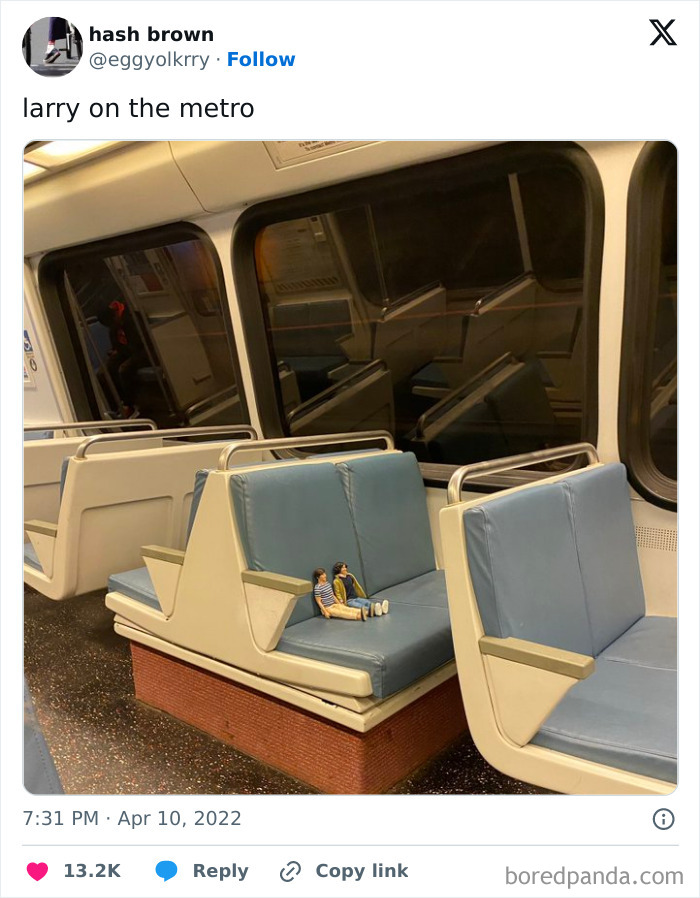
(52, 47)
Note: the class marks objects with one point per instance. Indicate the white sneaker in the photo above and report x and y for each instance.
(377, 609)
(385, 606)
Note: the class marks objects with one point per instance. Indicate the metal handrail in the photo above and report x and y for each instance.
(327, 439)
(493, 299)
(173, 432)
(480, 379)
(352, 380)
(392, 305)
(90, 425)
(231, 390)
(500, 465)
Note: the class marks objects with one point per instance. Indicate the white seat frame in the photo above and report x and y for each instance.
(505, 700)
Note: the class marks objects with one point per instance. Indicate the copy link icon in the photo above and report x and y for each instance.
(290, 872)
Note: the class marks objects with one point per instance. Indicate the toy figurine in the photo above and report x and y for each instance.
(328, 603)
(348, 591)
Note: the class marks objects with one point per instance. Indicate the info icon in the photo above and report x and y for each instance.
(663, 818)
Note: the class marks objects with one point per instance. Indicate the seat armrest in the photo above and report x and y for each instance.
(281, 582)
(44, 527)
(162, 553)
(544, 657)
(270, 599)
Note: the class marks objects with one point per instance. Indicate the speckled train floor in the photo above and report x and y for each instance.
(105, 742)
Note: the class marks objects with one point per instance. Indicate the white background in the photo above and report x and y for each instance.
(367, 70)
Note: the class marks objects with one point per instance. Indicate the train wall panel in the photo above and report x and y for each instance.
(225, 174)
(96, 199)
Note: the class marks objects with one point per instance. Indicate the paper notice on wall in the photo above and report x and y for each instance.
(291, 152)
(30, 365)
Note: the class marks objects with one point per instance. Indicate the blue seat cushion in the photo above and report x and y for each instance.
(430, 375)
(651, 642)
(149, 374)
(314, 373)
(390, 513)
(31, 558)
(623, 716)
(473, 436)
(136, 584)
(523, 390)
(428, 589)
(315, 364)
(396, 649)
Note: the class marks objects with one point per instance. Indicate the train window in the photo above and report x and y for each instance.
(649, 383)
(453, 304)
(144, 328)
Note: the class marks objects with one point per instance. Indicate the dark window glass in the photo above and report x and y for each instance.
(452, 317)
(147, 326)
(649, 378)
(556, 224)
(663, 411)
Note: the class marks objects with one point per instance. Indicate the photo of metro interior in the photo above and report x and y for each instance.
(350, 467)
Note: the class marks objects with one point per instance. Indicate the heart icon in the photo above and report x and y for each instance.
(37, 871)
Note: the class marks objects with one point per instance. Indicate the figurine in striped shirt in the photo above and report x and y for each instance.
(328, 603)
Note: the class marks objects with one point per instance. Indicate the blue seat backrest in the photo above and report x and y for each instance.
(557, 564)
(200, 478)
(390, 513)
(292, 520)
(99, 344)
(524, 568)
(472, 437)
(523, 431)
(310, 328)
(607, 550)
(38, 435)
(62, 482)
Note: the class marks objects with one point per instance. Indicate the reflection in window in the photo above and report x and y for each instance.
(663, 412)
(149, 324)
(451, 317)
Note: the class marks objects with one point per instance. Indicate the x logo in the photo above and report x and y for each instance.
(663, 32)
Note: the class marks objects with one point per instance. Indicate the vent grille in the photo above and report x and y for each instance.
(307, 284)
(657, 538)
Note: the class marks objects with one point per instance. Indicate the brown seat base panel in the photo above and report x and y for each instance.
(323, 754)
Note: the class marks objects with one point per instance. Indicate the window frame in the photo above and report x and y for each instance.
(57, 311)
(478, 166)
(643, 257)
